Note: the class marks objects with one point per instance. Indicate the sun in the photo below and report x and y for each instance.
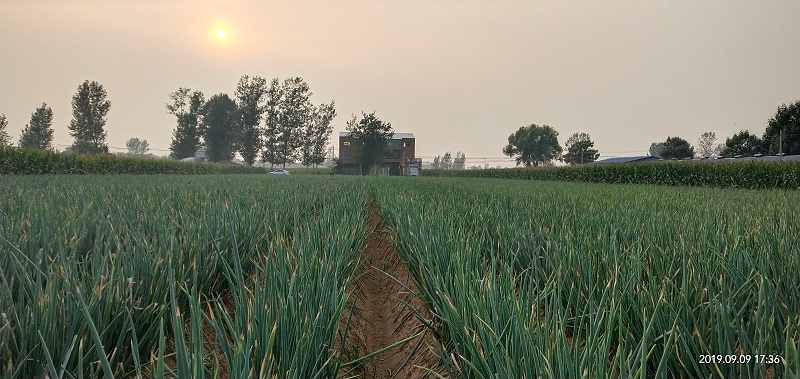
(222, 34)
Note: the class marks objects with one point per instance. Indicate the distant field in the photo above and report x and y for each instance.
(521, 279)
(723, 174)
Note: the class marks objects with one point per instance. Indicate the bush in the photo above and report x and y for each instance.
(31, 162)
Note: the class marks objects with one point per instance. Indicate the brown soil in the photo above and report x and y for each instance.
(380, 318)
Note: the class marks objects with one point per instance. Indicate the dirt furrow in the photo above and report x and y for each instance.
(380, 318)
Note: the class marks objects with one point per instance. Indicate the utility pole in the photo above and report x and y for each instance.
(780, 144)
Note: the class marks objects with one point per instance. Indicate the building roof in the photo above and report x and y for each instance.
(395, 136)
(644, 158)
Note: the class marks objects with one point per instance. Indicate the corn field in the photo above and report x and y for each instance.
(752, 175)
(248, 276)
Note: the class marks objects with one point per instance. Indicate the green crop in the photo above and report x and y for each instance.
(722, 174)
(94, 271)
(247, 276)
(561, 280)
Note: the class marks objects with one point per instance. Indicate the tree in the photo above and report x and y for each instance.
(317, 133)
(743, 143)
(677, 148)
(459, 161)
(5, 139)
(373, 133)
(447, 161)
(533, 145)
(219, 125)
(656, 148)
(250, 98)
(137, 146)
(707, 145)
(187, 106)
(89, 109)
(579, 149)
(288, 111)
(437, 163)
(38, 134)
(784, 128)
(272, 116)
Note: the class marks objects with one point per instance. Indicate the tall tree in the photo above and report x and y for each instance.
(219, 125)
(38, 134)
(272, 119)
(5, 139)
(289, 113)
(250, 99)
(447, 161)
(707, 145)
(459, 162)
(677, 148)
(187, 106)
(533, 145)
(743, 143)
(784, 128)
(317, 134)
(580, 149)
(137, 146)
(656, 148)
(373, 133)
(89, 109)
(437, 163)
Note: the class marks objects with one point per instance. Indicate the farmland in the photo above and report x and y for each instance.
(557, 280)
(253, 276)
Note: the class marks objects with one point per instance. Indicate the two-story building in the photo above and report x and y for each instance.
(398, 148)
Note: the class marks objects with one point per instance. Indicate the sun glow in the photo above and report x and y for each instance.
(221, 34)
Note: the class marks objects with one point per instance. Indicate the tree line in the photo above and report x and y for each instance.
(449, 161)
(535, 145)
(274, 121)
(781, 136)
(89, 109)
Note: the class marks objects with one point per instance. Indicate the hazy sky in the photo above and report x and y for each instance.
(460, 75)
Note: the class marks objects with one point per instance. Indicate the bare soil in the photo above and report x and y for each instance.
(380, 318)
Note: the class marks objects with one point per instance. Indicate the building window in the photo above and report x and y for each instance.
(393, 142)
(406, 143)
(406, 155)
(347, 143)
(346, 154)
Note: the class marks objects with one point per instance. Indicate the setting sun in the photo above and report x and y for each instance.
(221, 34)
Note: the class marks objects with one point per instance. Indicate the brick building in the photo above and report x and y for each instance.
(398, 148)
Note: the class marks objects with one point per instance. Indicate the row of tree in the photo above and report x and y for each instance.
(275, 120)
(535, 145)
(782, 136)
(448, 161)
(89, 109)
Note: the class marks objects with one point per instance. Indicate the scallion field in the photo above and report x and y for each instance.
(249, 276)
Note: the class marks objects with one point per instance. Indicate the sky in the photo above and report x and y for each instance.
(460, 75)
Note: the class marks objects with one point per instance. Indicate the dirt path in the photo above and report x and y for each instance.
(381, 319)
